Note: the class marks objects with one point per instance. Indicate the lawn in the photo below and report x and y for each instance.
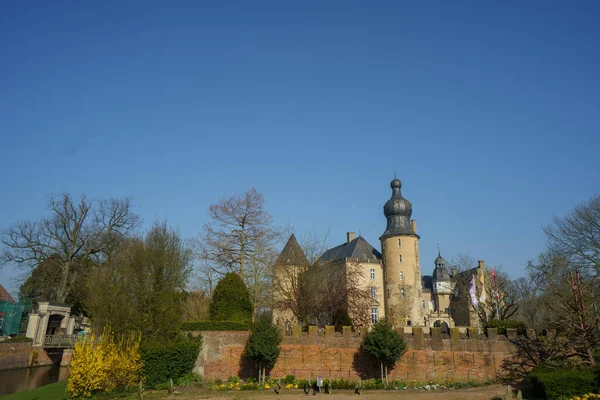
(53, 391)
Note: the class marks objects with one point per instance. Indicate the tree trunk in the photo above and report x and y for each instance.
(242, 252)
(259, 372)
(382, 380)
(387, 382)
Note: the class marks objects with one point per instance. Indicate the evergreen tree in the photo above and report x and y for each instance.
(263, 344)
(385, 344)
(231, 300)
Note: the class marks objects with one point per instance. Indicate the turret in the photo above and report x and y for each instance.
(402, 271)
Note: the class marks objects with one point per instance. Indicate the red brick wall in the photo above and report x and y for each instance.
(428, 357)
(22, 355)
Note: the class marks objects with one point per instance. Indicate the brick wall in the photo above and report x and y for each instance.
(22, 355)
(429, 356)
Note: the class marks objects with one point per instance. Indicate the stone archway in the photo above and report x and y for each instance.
(443, 326)
(54, 323)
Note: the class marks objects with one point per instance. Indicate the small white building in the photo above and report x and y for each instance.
(50, 319)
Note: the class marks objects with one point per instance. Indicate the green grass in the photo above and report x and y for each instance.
(53, 391)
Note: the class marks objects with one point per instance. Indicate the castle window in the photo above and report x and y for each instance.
(423, 304)
(374, 315)
(372, 273)
(374, 292)
(431, 305)
(409, 323)
(402, 292)
(399, 242)
(401, 275)
(400, 258)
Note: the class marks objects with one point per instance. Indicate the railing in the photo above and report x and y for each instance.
(60, 340)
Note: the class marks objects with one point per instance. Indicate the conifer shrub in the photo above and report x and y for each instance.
(214, 326)
(231, 300)
(175, 360)
(263, 343)
(105, 364)
(384, 344)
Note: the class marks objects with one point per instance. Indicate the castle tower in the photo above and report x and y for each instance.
(442, 285)
(401, 265)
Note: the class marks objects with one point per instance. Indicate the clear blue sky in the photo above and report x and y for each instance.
(488, 111)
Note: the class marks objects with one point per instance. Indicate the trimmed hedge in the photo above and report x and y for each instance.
(502, 325)
(214, 326)
(17, 339)
(171, 361)
(559, 384)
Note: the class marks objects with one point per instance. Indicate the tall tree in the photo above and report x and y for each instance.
(75, 231)
(142, 287)
(568, 273)
(239, 230)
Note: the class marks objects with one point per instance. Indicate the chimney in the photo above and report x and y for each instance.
(481, 264)
(414, 225)
(349, 237)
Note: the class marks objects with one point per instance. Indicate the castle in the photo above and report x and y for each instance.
(398, 290)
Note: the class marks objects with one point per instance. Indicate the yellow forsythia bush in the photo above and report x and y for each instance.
(105, 364)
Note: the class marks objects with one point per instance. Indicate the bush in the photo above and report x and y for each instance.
(231, 300)
(17, 339)
(263, 342)
(503, 325)
(549, 383)
(170, 361)
(214, 326)
(105, 364)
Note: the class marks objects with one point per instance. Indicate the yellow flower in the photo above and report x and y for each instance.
(267, 386)
(296, 386)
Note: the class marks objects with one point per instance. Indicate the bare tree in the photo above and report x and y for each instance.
(74, 232)
(576, 237)
(568, 271)
(239, 229)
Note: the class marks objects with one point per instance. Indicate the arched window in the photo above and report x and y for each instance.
(399, 242)
(401, 275)
(402, 292)
(400, 258)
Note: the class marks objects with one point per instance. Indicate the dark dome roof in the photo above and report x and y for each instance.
(397, 205)
(398, 211)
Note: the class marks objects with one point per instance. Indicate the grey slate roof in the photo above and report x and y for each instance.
(292, 254)
(358, 248)
(427, 282)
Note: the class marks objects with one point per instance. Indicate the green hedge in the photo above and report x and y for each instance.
(17, 339)
(560, 384)
(502, 325)
(171, 361)
(214, 326)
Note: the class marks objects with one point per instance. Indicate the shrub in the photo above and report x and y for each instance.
(170, 361)
(384, 344)
(556, 384)
(104, 364)
(263, 343)
(231, 300)
(214, 326)
(18, 339)
(502, 325)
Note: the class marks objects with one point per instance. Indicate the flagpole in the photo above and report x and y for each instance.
(496, 294)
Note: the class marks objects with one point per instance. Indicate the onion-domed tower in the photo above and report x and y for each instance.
(401, 265)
